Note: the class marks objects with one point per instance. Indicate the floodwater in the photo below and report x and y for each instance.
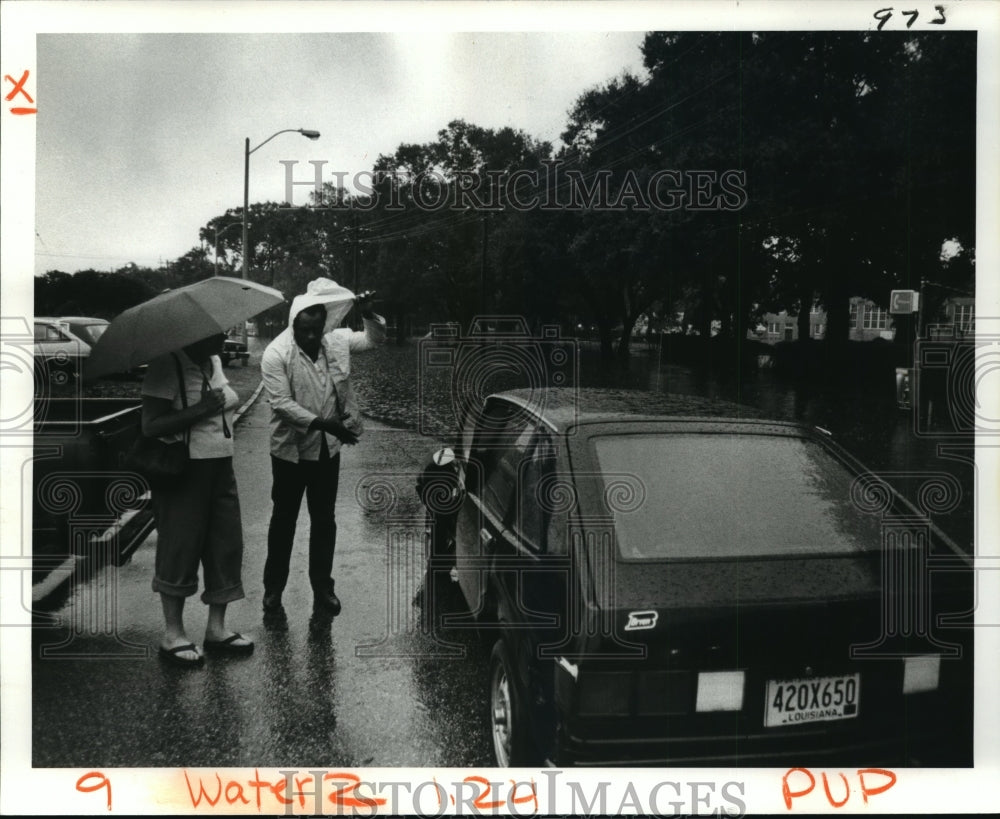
(409, 387)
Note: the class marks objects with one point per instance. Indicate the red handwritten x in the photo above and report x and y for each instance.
(19, 89)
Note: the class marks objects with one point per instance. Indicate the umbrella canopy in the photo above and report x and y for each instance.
(175, 319)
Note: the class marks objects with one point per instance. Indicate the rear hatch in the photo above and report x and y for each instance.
(745, 609)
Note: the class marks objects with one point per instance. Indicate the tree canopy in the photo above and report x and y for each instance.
(744, 172)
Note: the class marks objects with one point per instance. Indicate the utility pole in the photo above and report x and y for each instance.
(246, 237)
(357, 239)
(920, 309)
(484, 299)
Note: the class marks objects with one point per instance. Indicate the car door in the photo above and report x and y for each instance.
(521, 580)
(501, 438)
(529, 577)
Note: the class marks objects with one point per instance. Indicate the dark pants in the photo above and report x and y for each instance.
(318, 480)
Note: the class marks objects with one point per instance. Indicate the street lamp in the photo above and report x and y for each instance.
(309, 134)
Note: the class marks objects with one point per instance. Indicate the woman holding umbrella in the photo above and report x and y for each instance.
(186, 397)
(198, 518)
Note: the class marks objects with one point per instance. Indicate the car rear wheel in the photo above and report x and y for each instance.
(507, 724)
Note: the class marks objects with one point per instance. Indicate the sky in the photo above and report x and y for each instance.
(140, 140)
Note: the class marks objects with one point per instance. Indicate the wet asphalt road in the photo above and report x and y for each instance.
(369, 688)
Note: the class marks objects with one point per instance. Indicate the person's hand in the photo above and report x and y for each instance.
(364, 301)
(338, 430)
(212, 400)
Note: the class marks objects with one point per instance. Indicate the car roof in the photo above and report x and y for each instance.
(565, 407)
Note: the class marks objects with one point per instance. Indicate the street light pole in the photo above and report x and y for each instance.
(246, 203)
(308, 134)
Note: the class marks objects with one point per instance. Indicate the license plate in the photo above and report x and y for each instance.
(817, 699)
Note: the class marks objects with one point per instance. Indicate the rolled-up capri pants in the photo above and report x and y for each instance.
(198, 522)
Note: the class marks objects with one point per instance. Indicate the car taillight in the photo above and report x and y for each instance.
(921, 673)
(720, 691)
(604, 693)
(660, 693)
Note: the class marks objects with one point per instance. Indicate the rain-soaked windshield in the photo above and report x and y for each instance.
(723, 495)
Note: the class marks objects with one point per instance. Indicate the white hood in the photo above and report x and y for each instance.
(337, 300)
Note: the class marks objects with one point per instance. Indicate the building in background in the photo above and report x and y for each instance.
(868, 321)
(956, 319)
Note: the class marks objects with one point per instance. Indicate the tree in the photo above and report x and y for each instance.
(627, 133)
(154, 280)
(439, 229)
(851, 155)
(858, 152)
(193, 266)
(87, 293)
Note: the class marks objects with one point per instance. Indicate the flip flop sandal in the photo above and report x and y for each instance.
(229, 645)
(172, 655)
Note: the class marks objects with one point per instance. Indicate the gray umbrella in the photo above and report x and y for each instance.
(175, 319)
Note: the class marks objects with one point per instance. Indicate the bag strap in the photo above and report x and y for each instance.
(222, 412)
(184, 400)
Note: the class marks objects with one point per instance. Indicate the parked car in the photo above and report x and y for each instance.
(665, 585)
(86, 506)
(58, 352)
(234, 350)
(85, 328)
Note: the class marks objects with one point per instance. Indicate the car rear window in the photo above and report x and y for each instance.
(732, 495)
(89, 332)
(95, 331)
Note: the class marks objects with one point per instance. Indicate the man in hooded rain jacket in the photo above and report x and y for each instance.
(306, 371)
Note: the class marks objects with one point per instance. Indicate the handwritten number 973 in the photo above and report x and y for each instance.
(883, 15)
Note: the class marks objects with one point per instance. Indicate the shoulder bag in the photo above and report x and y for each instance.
(160, 463)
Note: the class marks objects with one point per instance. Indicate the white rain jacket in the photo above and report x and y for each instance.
(301, 390)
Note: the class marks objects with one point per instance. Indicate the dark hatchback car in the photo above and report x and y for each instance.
(665, 586)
